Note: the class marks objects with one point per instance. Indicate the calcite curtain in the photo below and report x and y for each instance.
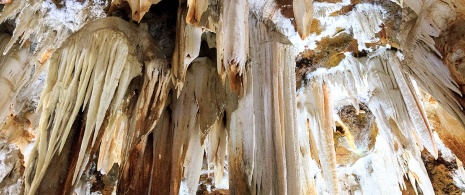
(232, 97)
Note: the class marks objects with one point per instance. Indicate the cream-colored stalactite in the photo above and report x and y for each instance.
(74, 73)
(391, 98)
(414, 107)
(138, 7)
(235, 33)
(28, 16)
(195, 112)
(38, 19)
(322, 125)
(285, 114)
(10, 10)
(196, 9)
(187, 48)
(216, 149)
(304, 133)
(422, 60)
(89, 73)
(286, 111)
(14, 73)
(264, 134)
(386, 101)
(112, 142)
(303, 15)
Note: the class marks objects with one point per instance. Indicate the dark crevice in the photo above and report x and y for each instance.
(161, 22)
(205, 51)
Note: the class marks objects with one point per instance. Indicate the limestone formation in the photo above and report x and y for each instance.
(232, 97)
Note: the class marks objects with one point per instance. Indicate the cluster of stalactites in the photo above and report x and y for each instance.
(384, 82)
(394, 102)
(272, 142)
(230, 21)
(431, 19)
(44, 23)
(79, 80)
(91, 74)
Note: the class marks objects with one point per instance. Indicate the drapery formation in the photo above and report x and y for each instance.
(276, 103)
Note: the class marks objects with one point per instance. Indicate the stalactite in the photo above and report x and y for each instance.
(196, 9)
(12, 169)
(322, 127)
(138, 7)
(198, 107)
(392, 100)
(78, 81)
(303, 13)
(115, 106)
(414, 107)
(306, 153)
(53, 28)
(216, 148)
(264, 146)
(235, 22)
(423, 58)
(14, 73)
(187, 47)
(11, 9)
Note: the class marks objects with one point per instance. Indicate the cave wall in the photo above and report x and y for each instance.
(232, 97)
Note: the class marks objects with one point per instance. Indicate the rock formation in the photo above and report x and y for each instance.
(232, 97)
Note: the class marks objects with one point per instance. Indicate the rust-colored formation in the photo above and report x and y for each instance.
(329, 53)
(441, 172)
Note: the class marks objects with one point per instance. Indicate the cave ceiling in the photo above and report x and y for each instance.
(232, 97)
